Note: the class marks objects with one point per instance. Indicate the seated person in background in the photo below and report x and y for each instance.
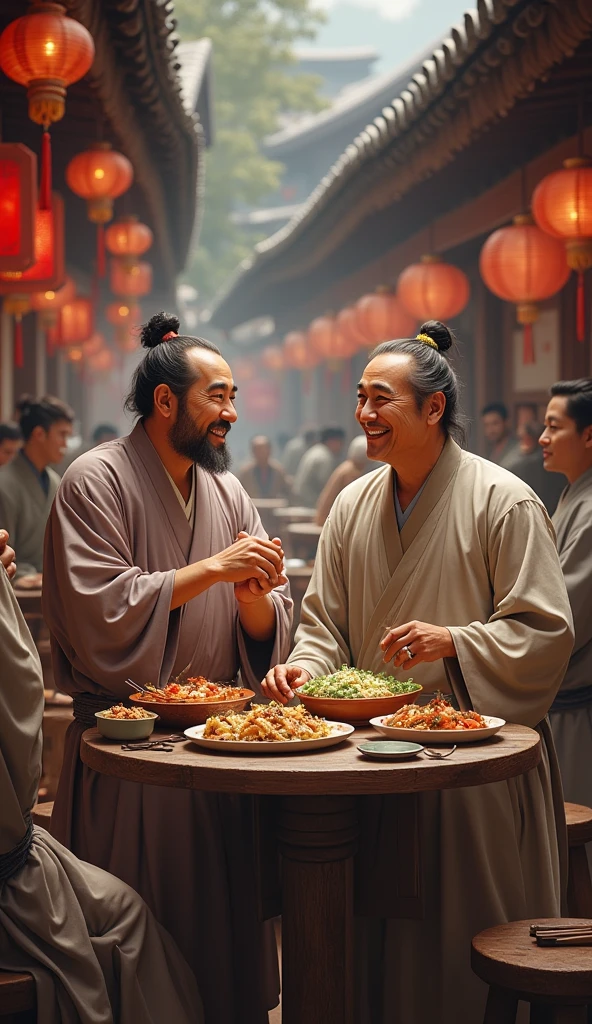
(295, 449)
(567, 449)
(527, 463)
(356, 464)
(27, 484)
(262, 476)
(11, 440)
(501, 445)
(94, 950)
(317, 464)
(102, 433)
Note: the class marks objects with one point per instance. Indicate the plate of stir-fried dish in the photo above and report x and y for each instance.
(268, 728)
(191, 702)
(437, 722)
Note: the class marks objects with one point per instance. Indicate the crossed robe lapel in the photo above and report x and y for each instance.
(406, 552)
(164, 496)
(569, 497)
(195, 612)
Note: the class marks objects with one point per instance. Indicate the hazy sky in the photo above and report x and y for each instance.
(398, 29)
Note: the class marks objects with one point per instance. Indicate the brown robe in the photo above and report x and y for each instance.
(96, 953)
(116, 536)
(477, 554)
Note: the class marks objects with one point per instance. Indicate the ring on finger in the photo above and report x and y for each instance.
(408, 652)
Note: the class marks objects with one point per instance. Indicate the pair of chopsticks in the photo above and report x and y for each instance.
(562, 935)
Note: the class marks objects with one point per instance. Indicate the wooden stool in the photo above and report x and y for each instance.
(41, 814)
(18, 998)
(557, 982)
(579, 884)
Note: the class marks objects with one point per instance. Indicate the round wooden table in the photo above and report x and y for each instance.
(293, 514)
(317, 829)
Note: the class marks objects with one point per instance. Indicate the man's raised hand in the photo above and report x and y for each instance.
(280, 682)
(7, 555)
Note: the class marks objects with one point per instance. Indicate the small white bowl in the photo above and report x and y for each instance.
(125, 728)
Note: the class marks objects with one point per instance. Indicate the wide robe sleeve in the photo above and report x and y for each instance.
(9, 522)
(257, 658)
(322, 644)
(512, 665)
(110, 617)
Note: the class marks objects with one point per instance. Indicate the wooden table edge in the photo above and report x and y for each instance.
(366, 781)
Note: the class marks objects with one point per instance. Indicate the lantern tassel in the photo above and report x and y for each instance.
(101, 261)
(19, 361)
(528, 357)
(45, 180)
(581, 308)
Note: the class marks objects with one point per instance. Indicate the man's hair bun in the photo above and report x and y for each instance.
(157, 327)
(439, 333)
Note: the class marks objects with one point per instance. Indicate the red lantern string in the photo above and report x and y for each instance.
(19, 361)
(101, 261)
(45, 179)
(528, 346)
(581, 308)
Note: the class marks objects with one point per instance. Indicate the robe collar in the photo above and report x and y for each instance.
(573, 491)
(29, 475)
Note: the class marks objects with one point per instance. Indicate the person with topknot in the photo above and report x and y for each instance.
(457, 556)
(159, 565)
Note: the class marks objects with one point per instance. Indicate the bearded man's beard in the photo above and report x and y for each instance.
(188, 442)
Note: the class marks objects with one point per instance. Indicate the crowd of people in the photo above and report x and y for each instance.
(154, 561)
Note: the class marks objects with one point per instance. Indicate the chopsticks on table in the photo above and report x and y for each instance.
(562, 935)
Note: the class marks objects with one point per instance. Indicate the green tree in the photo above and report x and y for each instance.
(252, 46)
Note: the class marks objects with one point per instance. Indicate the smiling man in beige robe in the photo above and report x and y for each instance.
(156, 562)
(457, 556)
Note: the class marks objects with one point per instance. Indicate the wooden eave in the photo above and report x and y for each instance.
(499, 90)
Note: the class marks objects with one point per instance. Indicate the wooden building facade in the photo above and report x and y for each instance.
(500, 104)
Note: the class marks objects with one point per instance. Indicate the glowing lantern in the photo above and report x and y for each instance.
(17, 306)
(562, 207)
(74, 354)
(327, 341)
(46, 51)
(99, 175)
(128, 237)
(523, 265)
(18, 198)
(76, 322)
(103, 361)
(433, 290)
(272, 358)
(383, 317)
(347, 322)
(47, 272)
(130, 280)
(125, 318)
(297, 351)
(48, 304)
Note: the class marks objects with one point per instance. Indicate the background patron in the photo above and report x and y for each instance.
(11, 440)
(262, 476)
(317, 464)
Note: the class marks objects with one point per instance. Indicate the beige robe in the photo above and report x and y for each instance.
(116, 536)
(477, 554)
(571, 716)
(91, 944)
(24, 508)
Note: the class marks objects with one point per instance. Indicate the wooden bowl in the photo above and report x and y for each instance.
(361, 709)
(191, 712)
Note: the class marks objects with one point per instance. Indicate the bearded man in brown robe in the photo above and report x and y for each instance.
(457, 556)
(156, 563)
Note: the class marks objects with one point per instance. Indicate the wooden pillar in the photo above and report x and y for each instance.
(6, 368)
(61, 376)
(40, 362)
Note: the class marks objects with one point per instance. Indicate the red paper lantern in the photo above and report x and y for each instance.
(130, 280)
(433, 290)
(347, 322)
(18, 200)
(76, 322)
(125, 318)
(327, 341)
(297, 351)
(46, 51)
(562, 207)
(99, 175)
(128, 237)
(47, 273)
(243, 369)
(383, 317)
(94, 344)
(523, 265)
(272, 358)
(47, 305)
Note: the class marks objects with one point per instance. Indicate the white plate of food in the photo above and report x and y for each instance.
(437, 722)
(268, 729)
